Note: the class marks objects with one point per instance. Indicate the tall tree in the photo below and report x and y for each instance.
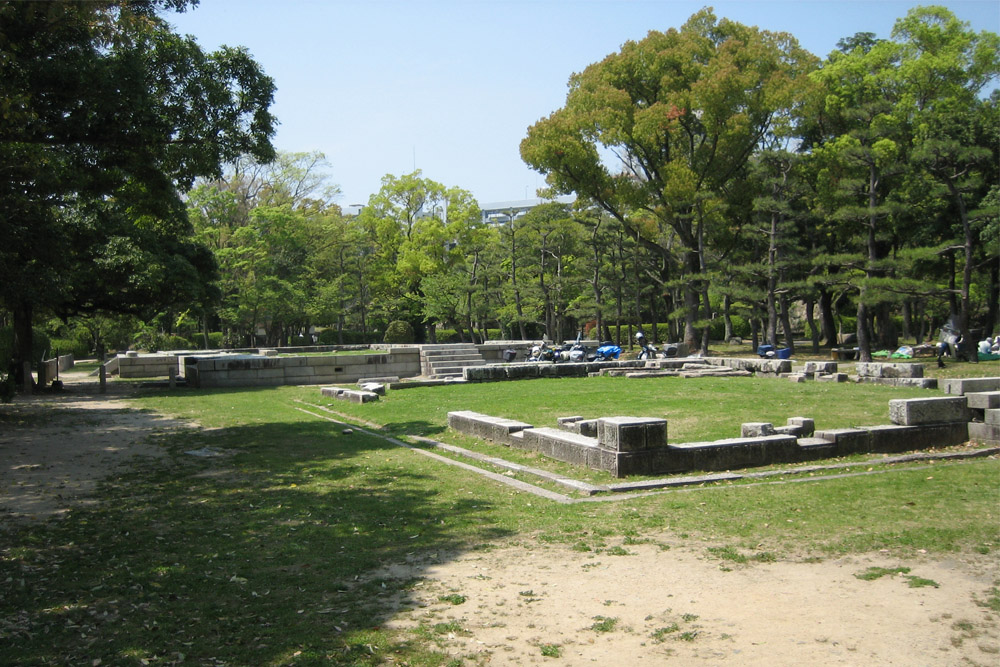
(683, 110)
(107, 113)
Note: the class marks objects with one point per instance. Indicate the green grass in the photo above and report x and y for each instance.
(276, 553)
(702, 409)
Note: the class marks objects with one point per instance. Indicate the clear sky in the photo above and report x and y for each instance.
(450, 86)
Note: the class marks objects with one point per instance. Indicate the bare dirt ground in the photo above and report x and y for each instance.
(525, 602)
(54, 448)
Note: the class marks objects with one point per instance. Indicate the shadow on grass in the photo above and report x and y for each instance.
(276, 549)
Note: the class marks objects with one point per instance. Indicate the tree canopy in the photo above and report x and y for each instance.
(107, 115)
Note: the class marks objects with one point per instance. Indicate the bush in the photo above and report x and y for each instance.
(330, 337)
(80, 349)
(40, 345)
(399, 331)
(175, 342)
(216, 340)
(717, 329)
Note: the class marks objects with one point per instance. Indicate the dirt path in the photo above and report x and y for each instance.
(682, 606)
(54, 448)
(524, 602)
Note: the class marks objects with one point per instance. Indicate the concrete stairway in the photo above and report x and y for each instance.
(448, 361)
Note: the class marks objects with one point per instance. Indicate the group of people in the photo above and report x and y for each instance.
(990, 345)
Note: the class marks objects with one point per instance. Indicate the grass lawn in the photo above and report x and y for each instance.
(273, 554)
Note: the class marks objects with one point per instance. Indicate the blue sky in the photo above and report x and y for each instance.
(450, 87)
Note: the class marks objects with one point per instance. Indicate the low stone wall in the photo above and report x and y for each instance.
(257, 371)
(633, 445)
(542, 369)
(762, 366)
(49, 368)
(135, 365)
(960, 387)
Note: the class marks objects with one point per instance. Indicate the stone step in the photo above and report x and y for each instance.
(984, 433)
(814, 444)
(458, 358)
(445, 347)
(444, 354)
(451, 370)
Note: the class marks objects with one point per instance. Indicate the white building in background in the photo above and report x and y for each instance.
(501, 212)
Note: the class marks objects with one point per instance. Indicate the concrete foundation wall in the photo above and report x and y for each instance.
(256, 371)
(131, 365)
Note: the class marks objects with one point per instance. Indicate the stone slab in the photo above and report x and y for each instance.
(920, 383)
(497, 429)
(935, 410)
(734, 453)
(889, 370)
(983, 400)
(847, 440)
(895, 438)
(756, 429)
(962, 386)
(987, 434)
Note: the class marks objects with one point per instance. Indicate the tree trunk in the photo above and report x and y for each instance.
(22, 312)
(754, 333)
(691, 300)
(827, 320)
(887, 336)
(786, 323)
(864, 340)
(726, 317)
(813, 329)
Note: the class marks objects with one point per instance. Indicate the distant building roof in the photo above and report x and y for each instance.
(524, 203)
(499, 211)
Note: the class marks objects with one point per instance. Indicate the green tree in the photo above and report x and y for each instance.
(683, 111)
(107, 113)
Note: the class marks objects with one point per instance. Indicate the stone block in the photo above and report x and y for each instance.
(734, 453)
(521, 371)
(991, 416)
(962, 386)
(631, 434)
(985, 434)
(897, 438)
(889, 370)
(796, 377)
(935, 410)
(832, 377)
(921, 383)
(826, 367)
(756, 429)
(847, 440)
(984, 400)
(801, 427)
(496, 429)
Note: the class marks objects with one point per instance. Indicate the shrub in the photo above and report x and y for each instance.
(175, 342)
(79, 348)
(216, 340)
(399, 331)
(40, 345)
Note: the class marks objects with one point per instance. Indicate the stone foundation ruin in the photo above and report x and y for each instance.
(626, 446)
